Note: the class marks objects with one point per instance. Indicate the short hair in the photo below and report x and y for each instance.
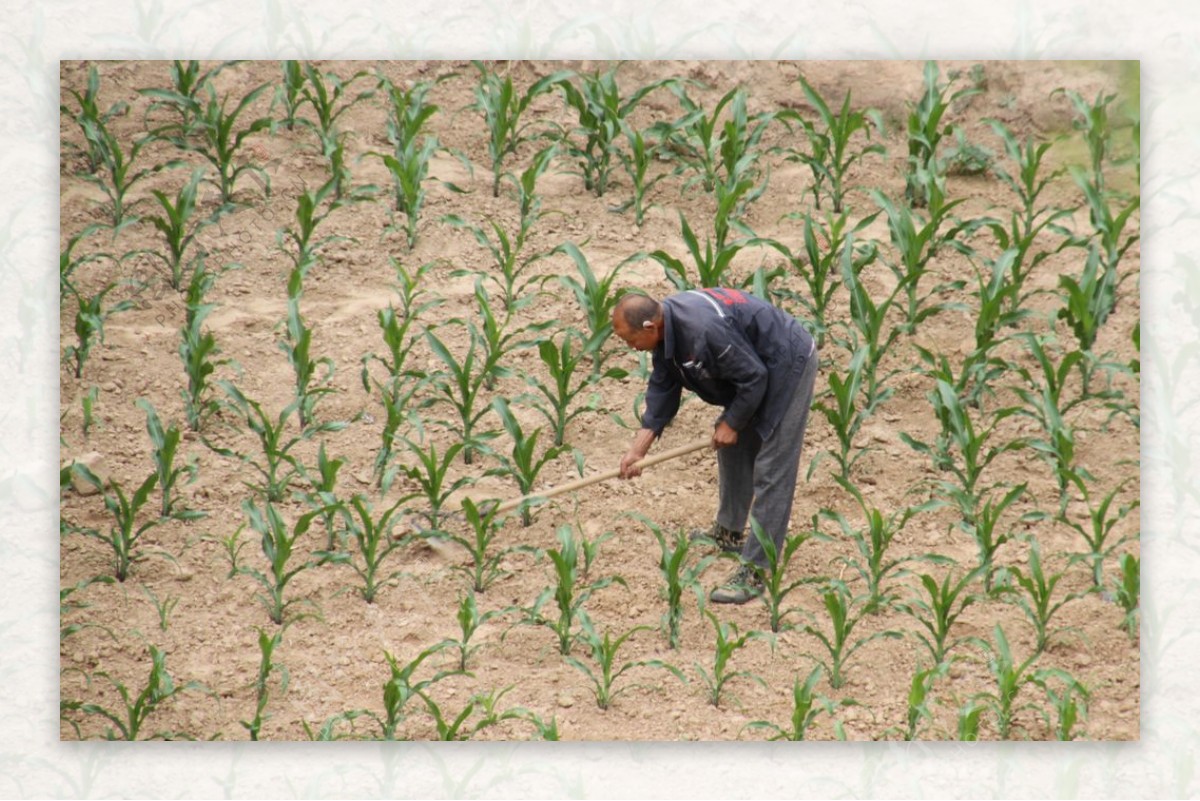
(638, 309)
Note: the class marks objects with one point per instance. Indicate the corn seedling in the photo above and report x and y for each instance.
(89, 325)
(117, 174)
(1091, 121)
(278, 467)
(88, 404)
(124, 536)
(166, 443)
(925, 132)
(1037, 600)
(938, 611)
(68, 264)
(1027, 223)
(1010, 677)
(830, 155)
(643, 150)
(846, 412)
(807, 707)
(183, 96)
(324, 92)
(498, 336)
(1097, 532)
(874, 565)
(570, 592)
(198, 349)
(373, 536)
(524, 465)
(980, 520)
(220, 139)
(262, 688)
(469, 621)
(67, 604)
(322, 496)
(396, 323)
(90, 119)
(178, 226)
(130, 720)
(970, 715)
(602, 114)
(278, 546)
(826, 245)
(509, 267)
(529, 202)
(1109, 230)
(842, 621)
(775, 587)
(502, 107)
(1127, 592)
(717, 151)
(918, 705)
(163, 607)
(289, 93)
(308, 216)
(596, 298)
(297, 346)
(679, 576)
(712, 264)
(484, 568)
(460, 386)
(432, 474)
(1069, 704)
(604, 654)
(728, 643)
(555, 397)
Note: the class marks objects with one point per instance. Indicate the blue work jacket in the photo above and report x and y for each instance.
(733, 350)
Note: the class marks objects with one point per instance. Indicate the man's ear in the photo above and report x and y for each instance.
(647, 324)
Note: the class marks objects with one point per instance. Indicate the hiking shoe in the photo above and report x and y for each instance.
(744, 585)
(728, 541)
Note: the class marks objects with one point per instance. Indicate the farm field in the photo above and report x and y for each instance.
(349, 304)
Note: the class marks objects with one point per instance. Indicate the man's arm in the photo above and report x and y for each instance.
(637, 451)
(662, 402)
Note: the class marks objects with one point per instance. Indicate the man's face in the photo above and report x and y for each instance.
(637, 338)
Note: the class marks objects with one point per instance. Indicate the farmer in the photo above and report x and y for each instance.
(739, 352)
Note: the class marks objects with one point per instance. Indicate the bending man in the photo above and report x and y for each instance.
(758, 363)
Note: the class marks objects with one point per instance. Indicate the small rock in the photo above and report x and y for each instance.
(566, 701)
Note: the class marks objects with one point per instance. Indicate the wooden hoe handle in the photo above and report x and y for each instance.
(588, 481)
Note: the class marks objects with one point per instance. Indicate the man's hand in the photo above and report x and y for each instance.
(723, 436)
(637, 451)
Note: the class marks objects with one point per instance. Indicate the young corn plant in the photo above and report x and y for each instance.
(826, 245)
(678, 575)
(775, 587)
(90, 119)
(166, 444)
(220, 140)
(916, 241)
(129, 721)
(570, 593)
(289, 93)
(309, 215)
(1087, 301)
(118, 174)
(642, 151)
(1091, 121)
(432, 474)
(604, 655)
(499, 337)
(1127, 591)
(198, 349)
(164, 607)
(89, 325)
(460, 386)
(918, 704)
(179, 227)
(396, 324)
(728, 643)
(323, 481)
(980, 520)
(1108, 229)
(524, 465)
(1010, 678)
(278, 546)
(484, 568)
(842, 621)
(503, 108)
(1035, 596)
(372, 534)
(875, 564)
(68, 264)
(124, 536)
(939, 609)
(712, 264)
(602, 112)
(509, 270)
(925, 133)
(596, 298)
(1097, 531)
(262, 683)
(807, 707)
(183, 95)
(278, 466)
(1026, 224)
(328, 97)
(469, 622)
(830, 155)
(297, 346)
(529, 202)
(846, 410)
(1069, 703)
(717, 151)
(555, 397)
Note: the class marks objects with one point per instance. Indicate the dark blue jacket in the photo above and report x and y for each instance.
(733, 350)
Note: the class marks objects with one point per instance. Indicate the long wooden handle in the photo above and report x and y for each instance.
(588, 481)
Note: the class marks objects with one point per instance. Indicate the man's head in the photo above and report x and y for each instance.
(638, 320)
